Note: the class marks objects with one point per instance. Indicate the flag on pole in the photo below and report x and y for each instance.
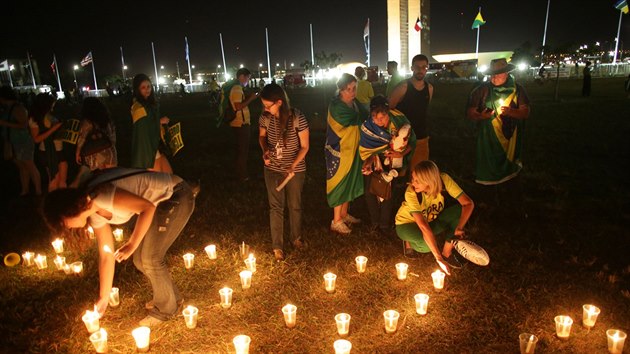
(122, 57)
(478, 22)
(366, 30)
(52, 66)
(418, 26)
(88, 59)
(622, 5)
(187, 51)
(4, 66)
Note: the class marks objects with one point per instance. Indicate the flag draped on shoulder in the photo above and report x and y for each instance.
(479, 21)
(418, 25)
(87, 60)
(622, 5)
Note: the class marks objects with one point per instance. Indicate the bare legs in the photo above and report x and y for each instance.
(340, 212)
(29, 173)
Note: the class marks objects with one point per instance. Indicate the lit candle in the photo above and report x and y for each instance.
(211, 251)
(190, 316)
(563, 326)
(99, 340)
(527, 342)
(329, 282)
(290, 313)
(90, 318)
(361, 263)
(118, 235)
(58, 245)
(114, 297)
(250, 263)
(616, 341)
(244, 249)
(589, 315)
(422, 302)
(401, 271)
(60, 262)
(142, 337)
(241, 344)
(246, 279)
(391, 320)
(226, 297)
(41, 262)
(77, 267)
(342, 346)
(67, 269)
(343, 323)
(28, 258)
(90, 232)
(189, 260)
(438, 279)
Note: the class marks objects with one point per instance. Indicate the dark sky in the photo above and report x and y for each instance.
(71, 29)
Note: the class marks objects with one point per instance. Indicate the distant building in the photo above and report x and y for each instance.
(403, 41)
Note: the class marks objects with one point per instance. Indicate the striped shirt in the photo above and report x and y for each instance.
(275, 141)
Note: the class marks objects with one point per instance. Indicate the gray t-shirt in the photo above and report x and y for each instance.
(152, 186)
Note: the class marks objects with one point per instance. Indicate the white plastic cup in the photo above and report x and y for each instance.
(190, 316)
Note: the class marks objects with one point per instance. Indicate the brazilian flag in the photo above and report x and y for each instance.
(622, 5)
(478, 22)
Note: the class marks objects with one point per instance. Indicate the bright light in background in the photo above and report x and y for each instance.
(403, 72)
(483, 68)
(227, 77)
(12, 67)
(219, 66)
(125, 67)
(291, 64)
(596, 43)
(192, 66)
(522, 67)
(161, 66)
(241, 66)
(162, 80)
(76, 67)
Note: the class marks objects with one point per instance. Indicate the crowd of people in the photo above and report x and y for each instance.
(376, 146)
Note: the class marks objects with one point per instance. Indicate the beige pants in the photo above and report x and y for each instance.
(421, 153)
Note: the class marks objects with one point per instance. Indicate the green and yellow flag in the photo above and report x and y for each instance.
(622, 5)
(478, 22)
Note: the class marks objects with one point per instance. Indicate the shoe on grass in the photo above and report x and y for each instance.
(278, 254)
(299, 244)
(349, 219)
(452, 261)
(340, 227)
(408, 251)
(151, 321)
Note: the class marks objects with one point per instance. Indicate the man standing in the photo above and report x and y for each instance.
(586, 84)
(365, 91)
(412, 97)
(394, 77)
(241, 124)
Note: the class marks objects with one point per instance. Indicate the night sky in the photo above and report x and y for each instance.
(71, 29)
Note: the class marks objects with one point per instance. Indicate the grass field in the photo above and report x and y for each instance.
(573, 249)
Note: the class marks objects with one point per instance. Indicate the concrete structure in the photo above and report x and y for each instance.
(403, 41)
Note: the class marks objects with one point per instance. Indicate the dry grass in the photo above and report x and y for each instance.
(571, 250)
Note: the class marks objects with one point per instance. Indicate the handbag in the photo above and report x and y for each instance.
(378, 185)
(97, 141)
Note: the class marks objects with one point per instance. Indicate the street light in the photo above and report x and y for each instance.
(241, 66)
(162, 67)
(192, 66)
(260, 70)
(292, 64)
(124, 77)
(74, 72)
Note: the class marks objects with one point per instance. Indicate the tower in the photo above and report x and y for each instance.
(403, 41)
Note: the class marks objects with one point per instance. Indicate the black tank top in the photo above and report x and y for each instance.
(415, 105)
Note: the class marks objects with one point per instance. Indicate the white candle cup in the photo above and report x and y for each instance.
(77, 267)
(114, 297)
(361, 263)
(290, 315)
(41, 262)
(250, 263)
(99, 340)
(246, 279)
(563, 326)
(142, 336)
(58, 245)
(391, 320)
(422, 303)
(226, 297)
(211, 251)
(438, 279)
(527, 343)
(616, 341)
(28, 258)
(118, 235)
(67, 269)
(90, 232)
(189, 260)
(90, 319)
(244, 250)
(190, 316)
(241, 344)
(60, 262)
(401, 271)
(342, 346)
(589, 315)
(329, 282)
(343, 323)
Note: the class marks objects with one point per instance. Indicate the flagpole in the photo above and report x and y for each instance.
(268, 60)
(57, 71)
(542, 51)
(312, 55)
(223, 55)
(122, 60)
(477, 47)
(617, 41)
(10, 79)
(368, 44)
(188, 60)
(30, 66)
(94, 73)
(157, 78)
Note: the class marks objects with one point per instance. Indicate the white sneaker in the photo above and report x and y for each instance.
(349, 219)
(340, 227)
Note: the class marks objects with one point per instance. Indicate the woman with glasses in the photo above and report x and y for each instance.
(284, 139)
